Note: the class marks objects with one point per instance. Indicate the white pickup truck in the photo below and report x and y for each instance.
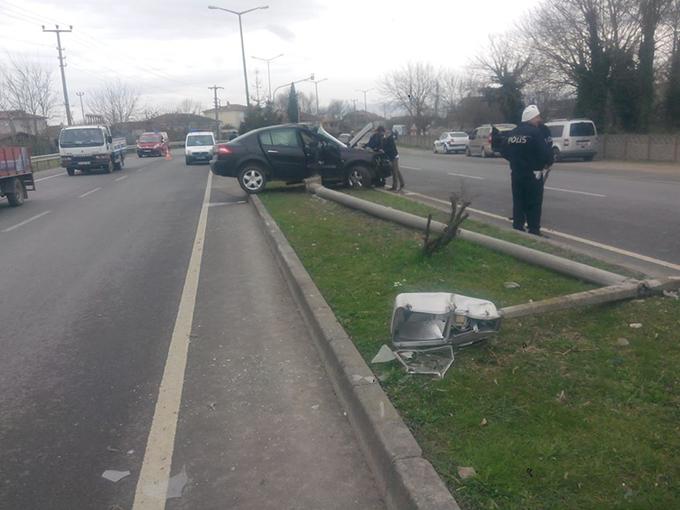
(85, 148)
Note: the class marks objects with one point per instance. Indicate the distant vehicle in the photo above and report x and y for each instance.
(575, 138)
(199, 146)
(480, 140)
(153, 144)
(87, 148)
(451, 141)
(293, 152)
(16, 174)
(400, 129)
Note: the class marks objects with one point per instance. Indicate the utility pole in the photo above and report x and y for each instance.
(58, 31)
(355, 104)
(215, 88)
(316, 89)
(365, 91)
(82, 108)
(269, 76)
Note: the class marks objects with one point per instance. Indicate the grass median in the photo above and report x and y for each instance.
(568, 410)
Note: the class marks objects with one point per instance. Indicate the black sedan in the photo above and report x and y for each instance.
(293, 152)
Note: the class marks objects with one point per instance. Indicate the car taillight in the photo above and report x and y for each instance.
(223, 150)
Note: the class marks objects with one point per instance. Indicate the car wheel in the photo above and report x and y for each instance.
(556, 154)
(359, 177)
(467, 152)
(188, 160)
(71, 172)
(252, 178)
(109, 167)
(16, 198)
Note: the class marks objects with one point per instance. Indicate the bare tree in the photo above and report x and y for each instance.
(115, 101)
(307, 102)
(28, 87)
(337, 109)
(189, 106)
(412, 88)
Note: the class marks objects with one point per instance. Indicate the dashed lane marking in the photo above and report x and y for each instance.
(33, 218)
(577, 192)
(50, 177)
(411, 168)
(467, 176)
(89, 192)
(121, 178)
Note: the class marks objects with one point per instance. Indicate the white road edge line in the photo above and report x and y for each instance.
(411, 168)
(14, 227)
(582, 240)
(467, 176)
(152, 485)
(50, 177)
(577, 192)
(89, 192)
(219, 204)
(121, 178)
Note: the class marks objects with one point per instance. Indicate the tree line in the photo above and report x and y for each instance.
(616, 61)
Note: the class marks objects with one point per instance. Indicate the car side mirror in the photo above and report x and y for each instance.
(109, 139)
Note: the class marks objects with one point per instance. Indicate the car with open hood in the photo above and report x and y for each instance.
(293, 152)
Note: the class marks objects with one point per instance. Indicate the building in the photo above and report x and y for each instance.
(18, 122)
(230, 116)
(177, 125)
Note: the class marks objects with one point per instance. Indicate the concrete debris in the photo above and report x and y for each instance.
(671, 294)
(511, 285)
(360, 378)
(561, 397)
(115, 476)
(635, 325)
(112, 449)
(622, 342)
(177, 483)
(483, 423)
(385, 355)
(211, 405)
(315, 407)
(466, 472)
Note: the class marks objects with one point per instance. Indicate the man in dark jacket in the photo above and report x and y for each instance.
(528, 148)
(376, 140)
(389, 147)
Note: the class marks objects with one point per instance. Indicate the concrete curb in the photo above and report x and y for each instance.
(404, 478)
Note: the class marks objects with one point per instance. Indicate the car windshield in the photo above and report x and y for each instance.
(556, 131)
(85, 137)
(200, 140)
(150, 137)
(322, 132)
(582, 129)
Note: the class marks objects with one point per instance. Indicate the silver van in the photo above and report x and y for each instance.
(480, 140)
(573, 138)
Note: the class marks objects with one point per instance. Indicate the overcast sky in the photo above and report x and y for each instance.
(175, 49)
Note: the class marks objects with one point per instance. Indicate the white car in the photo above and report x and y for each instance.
(575, 138)
(451, 141)
(199, 146)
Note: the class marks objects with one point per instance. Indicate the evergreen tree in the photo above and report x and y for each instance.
(293, 106)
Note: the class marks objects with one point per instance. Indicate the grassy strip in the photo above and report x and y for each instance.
(575, 416)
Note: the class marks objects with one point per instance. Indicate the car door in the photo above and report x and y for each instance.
(283, 150)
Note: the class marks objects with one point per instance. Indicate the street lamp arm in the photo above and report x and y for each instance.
(253, 9)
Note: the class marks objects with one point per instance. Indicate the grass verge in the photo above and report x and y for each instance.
(580, 409)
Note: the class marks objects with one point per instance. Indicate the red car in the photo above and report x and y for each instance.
(153, 144)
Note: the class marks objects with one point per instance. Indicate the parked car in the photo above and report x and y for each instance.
(480, 140)
(199, 146)
(575, 138)
(153, 144)
(452, 141)
(293, 152)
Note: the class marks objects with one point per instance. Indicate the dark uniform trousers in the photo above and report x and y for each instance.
(527, 200)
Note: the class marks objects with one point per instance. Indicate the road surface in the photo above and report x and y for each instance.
(101, 289)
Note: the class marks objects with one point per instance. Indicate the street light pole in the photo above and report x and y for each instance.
(316, 89)
(309, 78)
(243, 50)
(82, 108)
(269, 76)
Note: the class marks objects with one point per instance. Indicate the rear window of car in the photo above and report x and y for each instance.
(582, 129)
(458, 134)
(150, 138)
(280, 137)
(556, 131)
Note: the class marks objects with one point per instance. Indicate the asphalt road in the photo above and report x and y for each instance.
(633, 207)
(93, 287)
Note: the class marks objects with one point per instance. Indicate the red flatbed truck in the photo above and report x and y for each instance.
(16, 174)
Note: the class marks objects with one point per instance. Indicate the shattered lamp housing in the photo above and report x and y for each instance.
(435, 319)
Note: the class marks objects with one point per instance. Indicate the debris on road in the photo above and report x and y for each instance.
(622, 342)
(635, 325)
(671, 294)
(177, 483)
(466, 472)
(115, 476)
(511, 285)
(384, 355)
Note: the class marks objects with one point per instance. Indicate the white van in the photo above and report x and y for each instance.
(575, 138)
(199, 146)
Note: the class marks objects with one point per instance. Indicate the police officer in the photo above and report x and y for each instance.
(528, 148)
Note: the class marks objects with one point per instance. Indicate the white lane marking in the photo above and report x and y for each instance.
(411, 168)
(33, 218)
(121, 178)
(153, 478)
(467, 176)
(595, 244)
(89, 192)
(217, 204)
(577, 192)
(50, 177)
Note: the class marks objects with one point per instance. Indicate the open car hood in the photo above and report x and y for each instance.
(357, 138)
